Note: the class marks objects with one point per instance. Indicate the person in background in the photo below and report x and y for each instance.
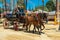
(21, 11)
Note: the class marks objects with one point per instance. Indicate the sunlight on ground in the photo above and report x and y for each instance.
(50, 33)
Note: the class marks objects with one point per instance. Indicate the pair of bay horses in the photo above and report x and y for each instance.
(37, 22)
(34, 19)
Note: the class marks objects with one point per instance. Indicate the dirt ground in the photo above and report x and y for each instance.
(50, 33)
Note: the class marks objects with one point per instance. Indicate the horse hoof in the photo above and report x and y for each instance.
(26, 29)
(29, 30)
(42, 29)
(33, 31)
(5, 28)
(39, 33)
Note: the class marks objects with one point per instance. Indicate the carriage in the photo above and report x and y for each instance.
(11, 17)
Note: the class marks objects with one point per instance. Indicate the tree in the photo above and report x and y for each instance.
(54, 1)
(1, 10)
(57, 12)
(21, 3)
(38, 4)
(2, 1)
(5, 4)
(50, 5)
(43, 6)
(36, 8)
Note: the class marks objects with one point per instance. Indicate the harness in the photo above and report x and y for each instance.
(35, 17)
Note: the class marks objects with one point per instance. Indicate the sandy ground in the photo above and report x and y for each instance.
(50, 33)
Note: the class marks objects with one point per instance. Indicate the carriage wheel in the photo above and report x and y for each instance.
(5, 24)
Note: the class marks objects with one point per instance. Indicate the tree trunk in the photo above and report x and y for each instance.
(43, 6)
(57, 13)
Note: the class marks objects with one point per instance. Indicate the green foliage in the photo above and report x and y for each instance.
(42, 0)
(41, 7)
(0, 0)
(54, 1)
(50, 5)
(21, 3)
(1, 10)
(45, 8)
(3, 1)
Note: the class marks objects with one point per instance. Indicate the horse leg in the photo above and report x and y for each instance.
(40, 29)
(29, 27)
(23, 26)
(43, 26)
(34, 29)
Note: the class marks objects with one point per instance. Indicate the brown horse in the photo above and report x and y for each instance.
(37, 22)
